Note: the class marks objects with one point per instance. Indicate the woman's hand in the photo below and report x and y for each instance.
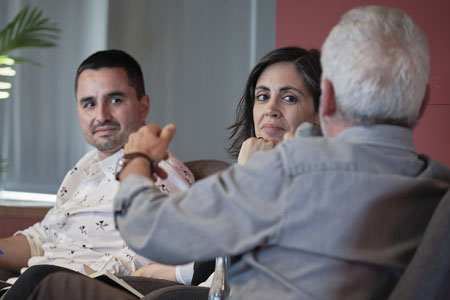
(158, 271)
(252, 145)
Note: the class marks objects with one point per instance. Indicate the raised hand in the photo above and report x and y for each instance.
(152, 141)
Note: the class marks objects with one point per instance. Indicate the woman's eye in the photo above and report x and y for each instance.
(290, 99)
(262, 97)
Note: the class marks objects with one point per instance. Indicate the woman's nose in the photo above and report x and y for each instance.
(272, 109)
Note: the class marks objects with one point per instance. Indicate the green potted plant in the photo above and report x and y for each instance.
(29, 29)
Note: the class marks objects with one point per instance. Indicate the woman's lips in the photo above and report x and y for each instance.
(272, 128)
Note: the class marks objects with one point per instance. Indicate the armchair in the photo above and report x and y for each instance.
(428, 274)
(205, 167)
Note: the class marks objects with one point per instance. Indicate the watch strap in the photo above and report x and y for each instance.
(127, 158)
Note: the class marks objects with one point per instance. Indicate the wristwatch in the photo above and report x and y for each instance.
(125, 160)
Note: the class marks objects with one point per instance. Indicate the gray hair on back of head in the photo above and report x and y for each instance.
(378, 62)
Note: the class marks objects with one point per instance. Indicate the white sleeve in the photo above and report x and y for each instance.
(35, 247)
(184, 273)
(36, 235)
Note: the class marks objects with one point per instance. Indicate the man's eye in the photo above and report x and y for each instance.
(290, 99)
(89, 104)
(115, 100)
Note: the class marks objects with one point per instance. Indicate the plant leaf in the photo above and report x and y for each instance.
(18, 59)
(28, 29)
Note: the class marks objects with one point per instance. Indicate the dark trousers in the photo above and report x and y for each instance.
(52, 282)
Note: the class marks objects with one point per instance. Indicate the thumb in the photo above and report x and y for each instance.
(168, 132)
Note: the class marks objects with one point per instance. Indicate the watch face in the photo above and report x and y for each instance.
(119, 166)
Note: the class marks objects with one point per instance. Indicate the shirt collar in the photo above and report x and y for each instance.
(381, 135)
(107, 166)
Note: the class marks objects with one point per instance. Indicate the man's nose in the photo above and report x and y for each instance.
(103, 112)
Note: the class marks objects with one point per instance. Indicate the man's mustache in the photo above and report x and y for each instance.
(105, 124)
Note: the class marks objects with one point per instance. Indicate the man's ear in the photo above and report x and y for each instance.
(327, 100)
(144, 106)
(426, 100)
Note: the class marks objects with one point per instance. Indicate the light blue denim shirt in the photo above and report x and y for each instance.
(315, 218)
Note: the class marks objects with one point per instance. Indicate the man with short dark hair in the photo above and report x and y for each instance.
(79, 230)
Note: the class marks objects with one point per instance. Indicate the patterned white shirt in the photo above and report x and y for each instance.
(80, 228)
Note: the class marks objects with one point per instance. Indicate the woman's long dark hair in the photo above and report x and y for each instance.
(307, 63)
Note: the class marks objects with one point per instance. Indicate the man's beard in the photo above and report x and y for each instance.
(109, 144)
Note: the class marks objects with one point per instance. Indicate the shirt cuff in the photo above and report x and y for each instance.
(184, 273)
(35, 247)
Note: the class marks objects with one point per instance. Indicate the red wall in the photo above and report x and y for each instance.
(307, 23)
(14, 218)
(11, 224)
